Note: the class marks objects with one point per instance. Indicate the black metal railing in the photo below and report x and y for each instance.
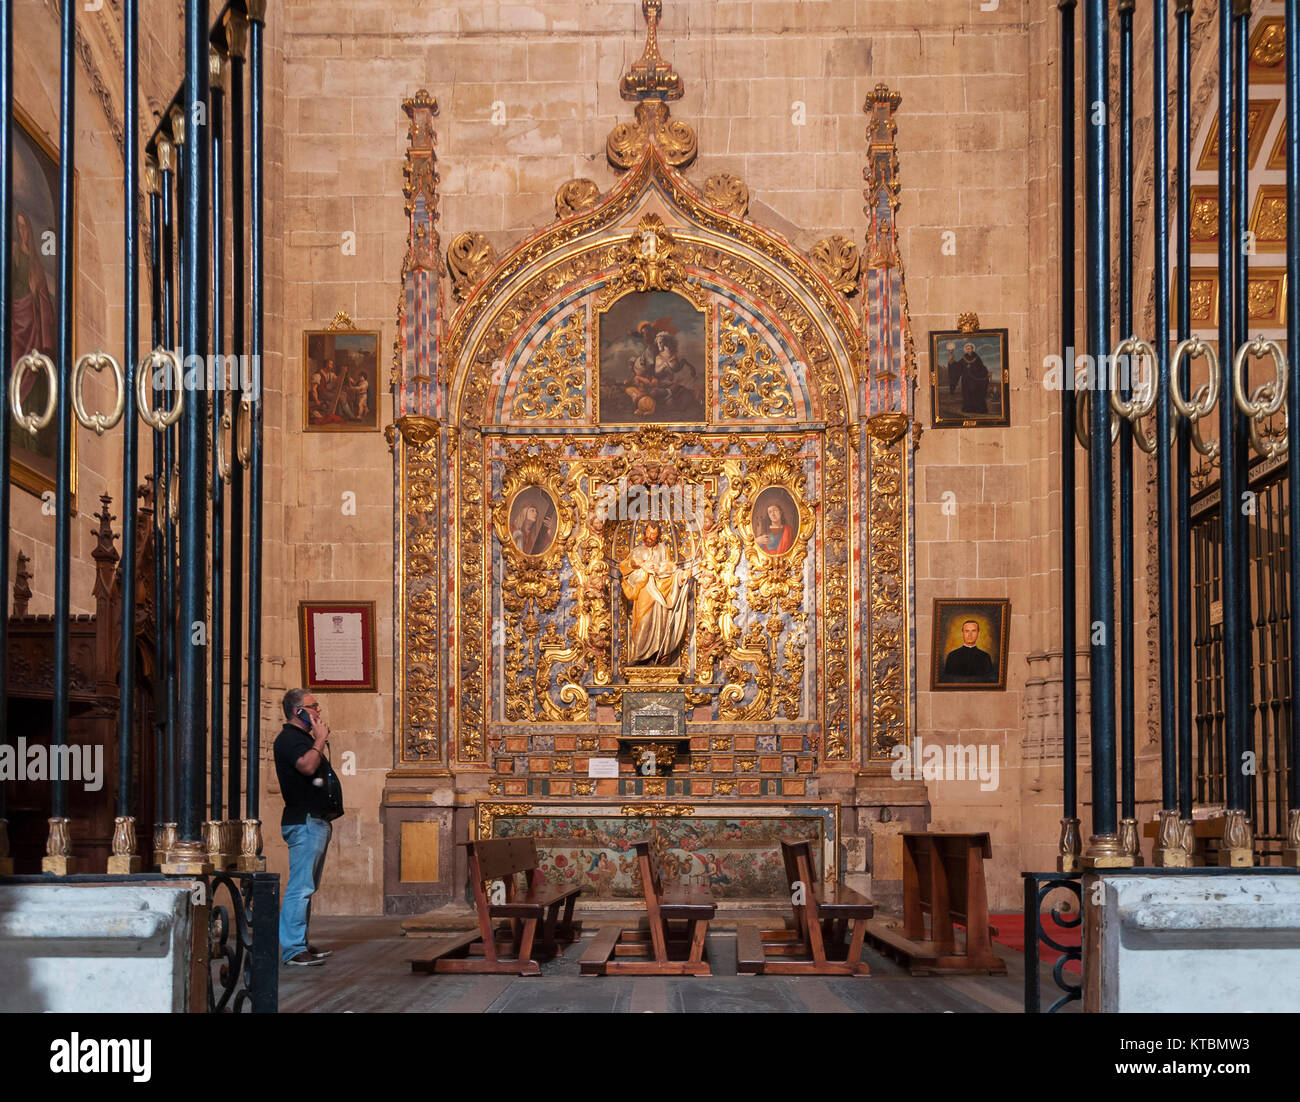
(1038, 886)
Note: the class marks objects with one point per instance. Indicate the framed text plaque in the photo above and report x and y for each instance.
(338, 646)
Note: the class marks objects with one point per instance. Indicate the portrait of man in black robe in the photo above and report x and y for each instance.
(972, 376)
(970, 645)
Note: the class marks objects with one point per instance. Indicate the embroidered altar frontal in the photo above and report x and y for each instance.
(734, 851)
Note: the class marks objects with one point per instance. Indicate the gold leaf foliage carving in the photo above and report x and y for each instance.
(839, 260)
(575, 196)
(470, 257)
(675, 139)
(728, 193)
(751, 383)
(554, 384)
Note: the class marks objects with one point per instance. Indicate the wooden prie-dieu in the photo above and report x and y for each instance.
(519, 946)
(656, 947)
(818, 941)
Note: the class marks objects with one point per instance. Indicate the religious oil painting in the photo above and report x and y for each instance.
(340, 380)
(533, 521)
(775, 521)
(969, 379)
(653, 353)
(34, 299)
(970, 645)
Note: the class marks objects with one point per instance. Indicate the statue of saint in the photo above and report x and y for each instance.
(657, 588)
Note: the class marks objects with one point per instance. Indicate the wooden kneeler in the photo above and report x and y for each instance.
(943, 876)
(656, 948)
(519, 946)
(815, 944)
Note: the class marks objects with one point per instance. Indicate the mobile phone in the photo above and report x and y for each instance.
(301, 713)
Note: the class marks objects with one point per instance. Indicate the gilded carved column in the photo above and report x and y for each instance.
(885, 448)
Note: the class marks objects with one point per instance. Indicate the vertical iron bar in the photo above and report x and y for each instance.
(1184, 445)
(1104, 843)
(1126, 671)
(6, 349)
(218, 402)
(1164, 518)
(166, 602)
(63, 474)
(191, 680)
(256, 13)
(1240, 206)
(235, 33)
(1069, 643)
(1233, 625)
(130, 456)
(159, 598)
(1293, 378)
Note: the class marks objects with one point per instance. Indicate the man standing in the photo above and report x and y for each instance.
(971, 374)
(306, 780)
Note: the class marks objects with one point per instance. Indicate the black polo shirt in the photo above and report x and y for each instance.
(301, 797)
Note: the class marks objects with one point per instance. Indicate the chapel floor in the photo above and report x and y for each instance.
(369, 972)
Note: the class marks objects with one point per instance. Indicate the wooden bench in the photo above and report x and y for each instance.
(656, 947)
(817, 941)
(943, 877)
(518, 946)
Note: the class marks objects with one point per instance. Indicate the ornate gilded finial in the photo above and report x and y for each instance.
(651, 77)
(236, 33)
(216, 68)
(651, 81)
(342, 323)
(968, 322)
(838, 259)
(176, 116)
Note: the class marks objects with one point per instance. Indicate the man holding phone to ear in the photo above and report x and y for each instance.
(312, 798)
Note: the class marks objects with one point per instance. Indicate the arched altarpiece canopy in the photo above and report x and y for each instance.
(653, 359)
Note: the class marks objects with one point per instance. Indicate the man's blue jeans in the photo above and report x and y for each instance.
(307, 845)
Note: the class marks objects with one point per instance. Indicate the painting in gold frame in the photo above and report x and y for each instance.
(970, 645)
(653, 360)
(340, 378)
(34, 306)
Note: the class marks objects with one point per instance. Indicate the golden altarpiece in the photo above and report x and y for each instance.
(653, 472)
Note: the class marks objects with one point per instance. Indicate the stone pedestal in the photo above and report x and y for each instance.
(1201, 940)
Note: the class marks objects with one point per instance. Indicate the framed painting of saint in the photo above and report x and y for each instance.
(533, 521)
(340, 374)
(970, 645)
(34, 299)
(775, 520)
(969, 378)
(652, 365)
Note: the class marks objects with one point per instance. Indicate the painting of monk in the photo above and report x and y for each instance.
(776, 521)
(969, 379)
(652, 360)
(33, 304)
(532, 521)
(657, 590)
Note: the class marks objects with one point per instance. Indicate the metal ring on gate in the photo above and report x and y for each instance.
(1268, 397)
(218, 451)
(1207, 396)
(1082, 404)
(1135, 408)
(159, 357)
(35, 362)
(174, 495)
(98, 421)
(244, 431)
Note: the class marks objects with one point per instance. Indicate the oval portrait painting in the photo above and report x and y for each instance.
(533, 520)
(775, 520)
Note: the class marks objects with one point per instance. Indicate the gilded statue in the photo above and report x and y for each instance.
(657, 589)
